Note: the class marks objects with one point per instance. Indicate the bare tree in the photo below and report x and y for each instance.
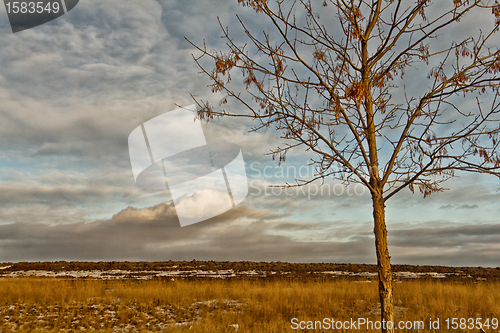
(331, 78)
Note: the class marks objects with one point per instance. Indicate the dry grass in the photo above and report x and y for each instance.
(55, 305)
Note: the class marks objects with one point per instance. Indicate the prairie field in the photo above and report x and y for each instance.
(46, 304)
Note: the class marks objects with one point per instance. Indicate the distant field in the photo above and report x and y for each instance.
(230, 270)
(244, 303)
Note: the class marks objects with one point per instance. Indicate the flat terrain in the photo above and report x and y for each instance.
(230, 270)
(243, 297)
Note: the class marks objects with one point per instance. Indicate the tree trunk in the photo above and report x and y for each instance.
(383, 264)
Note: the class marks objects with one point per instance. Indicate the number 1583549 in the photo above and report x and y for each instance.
(24, 7)
(471, 323)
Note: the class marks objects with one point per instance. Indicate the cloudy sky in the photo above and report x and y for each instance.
(71, 92)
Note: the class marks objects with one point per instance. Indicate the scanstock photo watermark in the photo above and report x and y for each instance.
(272, 181)
(414, 325)
(170, 152)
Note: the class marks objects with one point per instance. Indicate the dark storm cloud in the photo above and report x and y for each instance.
(154, 234)
(447, 236)
(462, 245)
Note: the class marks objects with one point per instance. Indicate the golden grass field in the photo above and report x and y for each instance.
(81, 305)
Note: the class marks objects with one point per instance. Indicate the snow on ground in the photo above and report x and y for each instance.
(219, 274)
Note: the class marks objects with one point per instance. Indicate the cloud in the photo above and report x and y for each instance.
(153, 233)
(464, 206)
(53, 196)
(460, 245)
(468, 206)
